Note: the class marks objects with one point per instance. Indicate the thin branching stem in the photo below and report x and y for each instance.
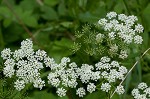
(20, 21)
(130, 70)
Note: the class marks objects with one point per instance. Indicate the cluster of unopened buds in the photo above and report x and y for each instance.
(26, 64)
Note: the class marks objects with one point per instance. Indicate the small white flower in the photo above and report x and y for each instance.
(113, 48)
(105, 87)
(40, 55)
(120, 90)
(135, 92)
(6, 53)
(102, 21)
(18, 54)
(108, 27)
(115, 64)
(111, 15)
(123, 70)
(128, 39)
(111, 35)
(138, 39)
(91, 87)
(9, 68)
(105, 59)
(142, 86)
(61, 92)
(39, 83)
(19, 85)
(122, 17)
(26, 44)
(139, 28)
(80, 92)
(123, 54)
(73, 65)
(147, 91)
(72, 83)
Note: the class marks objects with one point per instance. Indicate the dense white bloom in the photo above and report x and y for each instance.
(105, 87)
(39, 83)
(120, 90)
(65, 60)
(135, 92)
(73, 65)
(123, 70)
(123, 54)
(115, 64)
(19, 85)
(127, 39)
(105, 74)
(102, 21)
(120, 28)
(105, 59)
(9, 68)
(138, 39)
(61, 92)
(122, 17)
(147, 91)
(8, 71)
(111, 78)
(142, 86)
(26, 44)
(80, 92)
(111, 35)
(54, 82)
(72, 83)
(18, 54)
(91, 87)
(113, 48)
(6, 53)
(142, 92)
(111, 15)
(40, 55)
(139, 28)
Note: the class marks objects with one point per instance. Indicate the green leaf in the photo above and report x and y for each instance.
(5, 12)
(7, 22)
(27, 17)
(62, 9)
(87, 17)
(49, 13)
(61, 49)
(51, 2)
(66, 24)
(28, 4)
(43, 95)
(146, 14)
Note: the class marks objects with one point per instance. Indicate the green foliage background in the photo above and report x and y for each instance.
(52, 25)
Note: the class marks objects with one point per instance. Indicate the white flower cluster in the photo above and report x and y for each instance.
(142, 92)
(111, 71)
(62, 75)
(26, 64)
(120, 27)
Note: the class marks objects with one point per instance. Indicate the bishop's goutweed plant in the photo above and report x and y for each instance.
(109, 40)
